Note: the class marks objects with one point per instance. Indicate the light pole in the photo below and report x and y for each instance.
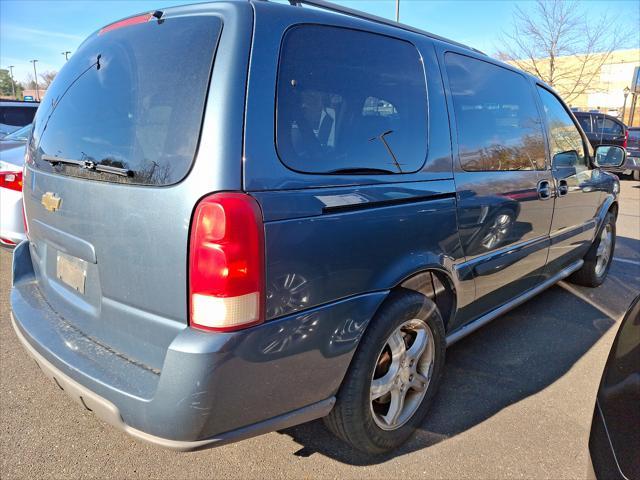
(66, 55)
(397, 10)
(13, 83)
(35, 77)
(625, 92)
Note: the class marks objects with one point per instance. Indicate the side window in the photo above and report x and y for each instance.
(350, 102)
(585, 122)
(499, 126)
(606, 125)
(565, 141)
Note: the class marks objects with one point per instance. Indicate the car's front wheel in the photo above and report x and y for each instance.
(393, 375)
(598, 259)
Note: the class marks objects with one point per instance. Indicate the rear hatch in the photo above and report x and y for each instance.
(107, 205)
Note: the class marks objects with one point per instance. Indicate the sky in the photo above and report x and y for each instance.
(43, 29)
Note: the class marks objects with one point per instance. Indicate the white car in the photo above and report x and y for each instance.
(11, 216)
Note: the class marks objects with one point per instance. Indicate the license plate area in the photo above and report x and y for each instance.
(71, 271)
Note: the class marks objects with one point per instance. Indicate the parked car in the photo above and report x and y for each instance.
(615, 437)
(604, 129)
(11, 217)
(16, 139)
(633, 152)
(15, 114)
(282, 243)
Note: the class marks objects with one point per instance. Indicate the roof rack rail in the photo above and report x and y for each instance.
(324, 5)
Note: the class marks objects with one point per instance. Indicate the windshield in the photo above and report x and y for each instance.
(130, 99)
(20, 135)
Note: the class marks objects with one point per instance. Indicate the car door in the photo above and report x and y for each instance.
(608, 131)
(577, 196)
(503, 189)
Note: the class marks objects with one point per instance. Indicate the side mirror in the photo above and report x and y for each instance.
(610, 156)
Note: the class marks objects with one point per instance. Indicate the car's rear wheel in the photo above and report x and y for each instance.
(393, 375)
(636, 175)
(598, 259)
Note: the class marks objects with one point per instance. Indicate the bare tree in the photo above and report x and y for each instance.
(551, 29)
(29, 83)
(46, 78)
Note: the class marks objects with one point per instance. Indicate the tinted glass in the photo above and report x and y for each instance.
(565, 141)
(607, 125)
(498, 123)
(634, 139)
(131, 98)
(17, 116)
(585, 122)
(350, 100)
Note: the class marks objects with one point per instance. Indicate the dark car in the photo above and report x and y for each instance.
(602, 129)
(15, 114)
(614, 443)
(334, 200)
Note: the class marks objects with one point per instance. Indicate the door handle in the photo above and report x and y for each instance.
(563, 188)
(544, 190)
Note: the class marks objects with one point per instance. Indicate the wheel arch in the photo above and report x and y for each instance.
(437, 285)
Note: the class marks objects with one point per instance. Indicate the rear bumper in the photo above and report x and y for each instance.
(108, 412)
(213, 387)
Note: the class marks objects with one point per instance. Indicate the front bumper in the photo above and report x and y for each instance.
(213, 388)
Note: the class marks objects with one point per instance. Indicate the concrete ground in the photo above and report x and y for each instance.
(516, 402)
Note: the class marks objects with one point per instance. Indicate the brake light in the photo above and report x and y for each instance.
(626, 139)
(126, 23)
(226, 263)
(11, 180)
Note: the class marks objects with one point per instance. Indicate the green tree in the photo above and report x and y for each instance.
(5, 85)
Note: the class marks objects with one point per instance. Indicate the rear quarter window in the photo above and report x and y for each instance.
(131, 98)
(350, 102)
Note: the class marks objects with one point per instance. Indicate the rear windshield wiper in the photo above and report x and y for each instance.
(361, 171)
(89, 165)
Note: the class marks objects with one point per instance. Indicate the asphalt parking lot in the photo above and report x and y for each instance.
(516, 402)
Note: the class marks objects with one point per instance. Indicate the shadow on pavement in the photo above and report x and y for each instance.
(627, 248)
(513, 357)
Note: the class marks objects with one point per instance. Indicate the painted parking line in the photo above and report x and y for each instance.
(626, 260)
(571, 289)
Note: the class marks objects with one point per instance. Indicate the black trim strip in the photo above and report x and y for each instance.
(386, 203)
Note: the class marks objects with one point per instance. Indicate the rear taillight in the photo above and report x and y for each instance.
(11, 180)
(226, 263)
(626, 139)
(127, 22)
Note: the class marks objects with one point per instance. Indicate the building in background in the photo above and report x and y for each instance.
(607, 86)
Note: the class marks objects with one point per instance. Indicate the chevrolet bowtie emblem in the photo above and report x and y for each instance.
(51, 201)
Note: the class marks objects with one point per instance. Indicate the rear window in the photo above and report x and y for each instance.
(17, 116)
(350, 102)
(130, 98)
(499, 127)
(634, 139)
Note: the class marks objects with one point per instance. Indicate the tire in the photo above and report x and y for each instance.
(593, 273)
(636, 175)
(356, 418)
